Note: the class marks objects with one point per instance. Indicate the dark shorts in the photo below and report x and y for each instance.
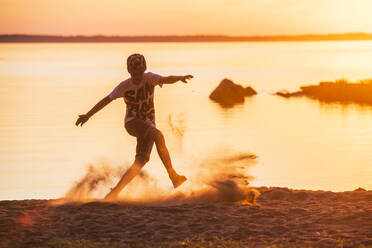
(140, 129)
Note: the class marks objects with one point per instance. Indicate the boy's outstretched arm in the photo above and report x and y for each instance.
(173, 79)
(100, 105)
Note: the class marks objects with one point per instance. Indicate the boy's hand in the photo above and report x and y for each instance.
(187, 77)
(82, 119)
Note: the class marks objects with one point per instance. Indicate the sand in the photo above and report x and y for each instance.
(279, 216)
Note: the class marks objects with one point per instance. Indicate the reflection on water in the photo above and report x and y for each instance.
(301, 143)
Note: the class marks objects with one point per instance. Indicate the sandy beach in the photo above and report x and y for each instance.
(294, 218)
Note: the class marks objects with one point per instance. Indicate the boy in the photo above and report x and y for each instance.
(138, 94)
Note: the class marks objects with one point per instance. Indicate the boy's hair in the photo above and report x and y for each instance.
(136, 63)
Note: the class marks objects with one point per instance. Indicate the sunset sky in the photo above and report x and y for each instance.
(162, 17)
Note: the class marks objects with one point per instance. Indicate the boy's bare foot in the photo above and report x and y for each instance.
(177, 180)
(112, 196)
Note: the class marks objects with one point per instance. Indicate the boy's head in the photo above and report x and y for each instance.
(136, 63)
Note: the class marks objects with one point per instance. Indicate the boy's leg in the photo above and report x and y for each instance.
(143, 151)
(126, 178)
(156, 135)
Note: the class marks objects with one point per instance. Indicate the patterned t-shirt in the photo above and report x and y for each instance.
(139, 98)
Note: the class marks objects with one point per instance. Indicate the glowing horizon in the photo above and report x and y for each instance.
(166, 17)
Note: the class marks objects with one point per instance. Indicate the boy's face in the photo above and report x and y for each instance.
(137, 76)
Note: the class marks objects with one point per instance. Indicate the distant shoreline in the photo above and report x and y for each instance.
(24, 38)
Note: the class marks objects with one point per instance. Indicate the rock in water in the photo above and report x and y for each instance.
(287, 94)
(228, 93)
(360, 189)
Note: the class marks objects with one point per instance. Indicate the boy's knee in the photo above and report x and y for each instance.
(142, 160)
(156, 135)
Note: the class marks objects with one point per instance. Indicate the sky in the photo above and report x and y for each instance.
(187, 17)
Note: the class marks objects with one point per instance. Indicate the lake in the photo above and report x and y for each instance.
(300, 143)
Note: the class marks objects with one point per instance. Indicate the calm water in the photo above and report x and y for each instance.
(301, 143)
